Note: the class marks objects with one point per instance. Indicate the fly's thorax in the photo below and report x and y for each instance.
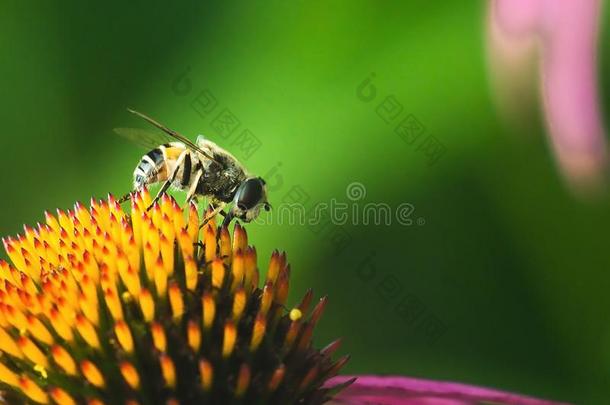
(220, 182)
(221, 176)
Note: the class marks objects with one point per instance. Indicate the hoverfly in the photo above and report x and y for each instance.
(202, 169)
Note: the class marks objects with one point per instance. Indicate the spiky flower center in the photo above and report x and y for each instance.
(102, 307)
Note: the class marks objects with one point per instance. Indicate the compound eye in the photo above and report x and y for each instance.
(250, 194)
(241, 207)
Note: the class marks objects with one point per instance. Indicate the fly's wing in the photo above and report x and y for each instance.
(174, 135)
(148, 140)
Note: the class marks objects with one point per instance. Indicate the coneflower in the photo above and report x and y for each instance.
(102, 307)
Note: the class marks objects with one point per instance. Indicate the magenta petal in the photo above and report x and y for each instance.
(394, 390)
(570, 85)
(567, 32)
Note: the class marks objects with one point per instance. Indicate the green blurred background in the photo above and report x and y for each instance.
(504, 270)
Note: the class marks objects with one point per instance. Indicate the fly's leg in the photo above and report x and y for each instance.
(125, 198)
(212, 214)
(228, 218)
(170, 180)
(190, 196)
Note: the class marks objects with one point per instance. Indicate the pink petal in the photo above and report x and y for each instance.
(567, 32)
(569, 69)
(518, 17)
(394, 390)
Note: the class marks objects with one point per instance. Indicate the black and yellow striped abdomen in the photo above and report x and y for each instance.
(157, 165)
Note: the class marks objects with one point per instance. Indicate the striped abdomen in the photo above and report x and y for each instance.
(157, 165)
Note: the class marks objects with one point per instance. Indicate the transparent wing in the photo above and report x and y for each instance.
(148, 140)
(173, 134)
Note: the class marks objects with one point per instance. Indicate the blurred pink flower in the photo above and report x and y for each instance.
(412, 391)
(564, 33)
